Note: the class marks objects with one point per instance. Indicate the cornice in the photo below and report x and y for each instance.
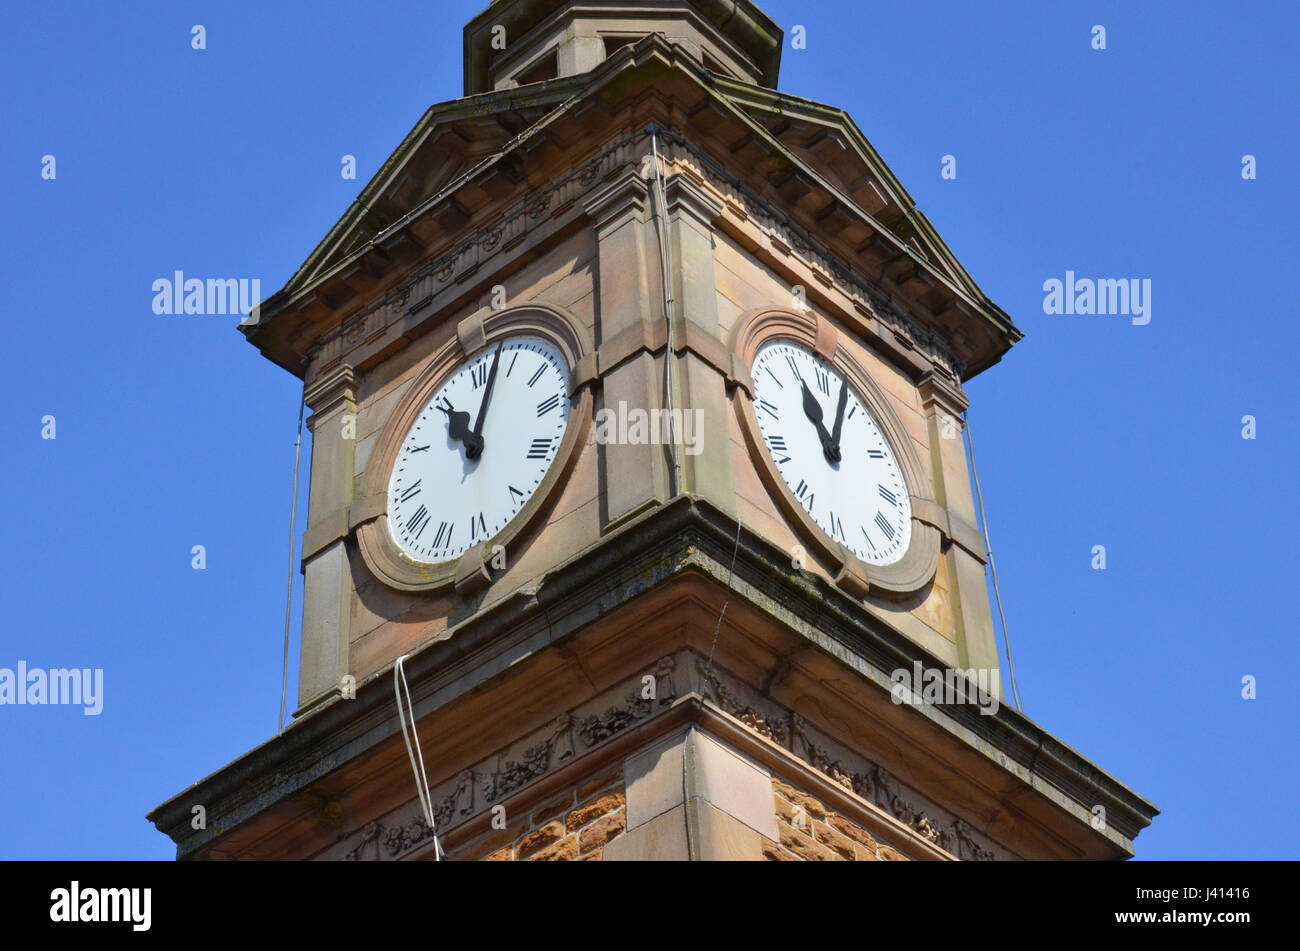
(686, 535)
(383, 255)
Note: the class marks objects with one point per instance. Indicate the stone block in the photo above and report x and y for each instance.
(654, 781)
(662, 839)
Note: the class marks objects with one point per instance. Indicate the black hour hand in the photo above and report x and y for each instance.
(458, 429)
(813, 410)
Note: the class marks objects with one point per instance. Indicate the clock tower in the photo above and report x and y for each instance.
(640, 523)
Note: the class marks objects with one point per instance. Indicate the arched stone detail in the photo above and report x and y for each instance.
(472, 570)
(917, 567)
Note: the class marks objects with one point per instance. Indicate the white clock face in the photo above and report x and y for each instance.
(479, 449)
(831, 453)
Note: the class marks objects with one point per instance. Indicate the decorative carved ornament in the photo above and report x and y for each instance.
(556, 748)
(792, 732)
(917, 567)
(472, 570)
(509, 230)
(375, 842)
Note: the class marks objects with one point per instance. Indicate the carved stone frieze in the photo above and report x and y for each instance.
(376, 840)
(775, 729)
(370, 838)
(873, 784)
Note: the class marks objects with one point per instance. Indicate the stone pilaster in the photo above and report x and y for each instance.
(692, 797)
(328, 583)
(943, 402)
(701, 361)
(629, 332)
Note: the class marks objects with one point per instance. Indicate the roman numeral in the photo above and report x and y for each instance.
(777, 443)
(413, 491)
(413, 450)
(418, 522)
(802, 488)
(853, 409)
(546, 405)
(478, 374)
(773, 376)
(875, 454)
(514, 491)
(888, 496)
(823, 381)
(883, 524)
(540, 448)
(476, 524)
(512, 363)
(537, 376)
(771, 409)
(870, 543)
(438, 540)
(837, 527)
(793, 366)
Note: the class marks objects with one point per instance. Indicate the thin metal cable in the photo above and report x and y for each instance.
(288, 596)
(730, 574)
(421, 777)
(988, 549)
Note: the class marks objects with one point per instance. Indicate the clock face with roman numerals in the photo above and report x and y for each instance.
(831, 452)
(479, 449)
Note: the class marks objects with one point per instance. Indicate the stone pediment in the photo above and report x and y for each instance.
(469, 159)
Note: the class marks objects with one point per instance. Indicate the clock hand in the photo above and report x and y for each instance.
(839, 418)
(458, 428)
(473, 452)
(813, 410)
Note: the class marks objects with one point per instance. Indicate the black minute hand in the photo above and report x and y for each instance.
(475, 449)
(839, 416)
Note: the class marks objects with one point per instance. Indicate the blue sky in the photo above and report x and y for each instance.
(174, 432)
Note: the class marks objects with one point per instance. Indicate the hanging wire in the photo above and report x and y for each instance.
(988, 550)
(288, 596)
(403, 691)
(730, 574)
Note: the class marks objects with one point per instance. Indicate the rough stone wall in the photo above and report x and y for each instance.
(810, 832)
(573, 827)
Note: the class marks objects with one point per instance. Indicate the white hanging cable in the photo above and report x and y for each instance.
(730, 575)
(665, 260)
(403, 691)
(988, 550)
(288, 595)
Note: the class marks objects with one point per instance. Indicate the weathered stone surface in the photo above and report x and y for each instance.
(599, 783)
(566, 850)
(774, 853)
(601, 831)
(553, 808)
(583, 814)
(852, 830)
(662, 839)
(842, 845)
(539, 839)
(810, 805)
(803, 845)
